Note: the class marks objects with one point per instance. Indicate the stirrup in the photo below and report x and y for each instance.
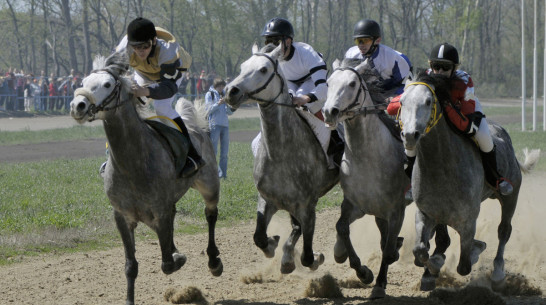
(505, 187)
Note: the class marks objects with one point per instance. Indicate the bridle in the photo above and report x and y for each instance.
(105, 105)
(357, 107)
(253, 93)
(435, 115)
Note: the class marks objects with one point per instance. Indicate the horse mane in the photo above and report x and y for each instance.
(441, 83)
(371, 77)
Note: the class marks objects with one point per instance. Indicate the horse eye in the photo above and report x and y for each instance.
(107, 85)
(428, 102)
(263, 70)
(352, 84)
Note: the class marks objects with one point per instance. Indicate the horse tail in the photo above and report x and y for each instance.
(194, 111)
(531, 160)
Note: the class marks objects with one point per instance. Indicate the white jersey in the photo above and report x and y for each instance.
(393, 66)
(305, 71)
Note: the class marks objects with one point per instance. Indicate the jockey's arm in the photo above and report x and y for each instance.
(166, 87)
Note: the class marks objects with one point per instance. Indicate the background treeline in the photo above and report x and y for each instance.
(59, 35)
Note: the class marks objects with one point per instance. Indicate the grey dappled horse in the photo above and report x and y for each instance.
(140, 178)
(290, 169)
(448, 178)
(372, 171)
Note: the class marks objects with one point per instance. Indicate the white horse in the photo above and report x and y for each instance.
(140, 178)
(290, 169)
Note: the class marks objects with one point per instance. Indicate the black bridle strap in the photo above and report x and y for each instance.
(363, 109)
(260, 89)
(114, 95)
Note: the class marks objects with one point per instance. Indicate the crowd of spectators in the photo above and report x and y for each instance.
(31, 93)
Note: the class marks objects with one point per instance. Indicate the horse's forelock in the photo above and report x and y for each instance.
(441, 83)
(350, 63)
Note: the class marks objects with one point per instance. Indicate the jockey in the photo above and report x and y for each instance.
(158, 63)
(305, 72)
(464, 112)
(393, 66)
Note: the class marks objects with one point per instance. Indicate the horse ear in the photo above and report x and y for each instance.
(254, 48)
(363, 66)
(336, 64)
(277, 53)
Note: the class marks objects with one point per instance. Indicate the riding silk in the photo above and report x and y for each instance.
(305, 72)
(461, 111)
(393, 66)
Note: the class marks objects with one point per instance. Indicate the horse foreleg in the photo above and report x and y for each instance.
(308, 257)
(424, 227)
(215, 263)
(264, 214)
(287, 262)
(131, 265)
(437, 260)
(171, 259)
(344, 246)
(508, 205)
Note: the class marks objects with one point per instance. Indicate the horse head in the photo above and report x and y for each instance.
(420, 107)
(260, 78)
(347, 91)
(103, 89)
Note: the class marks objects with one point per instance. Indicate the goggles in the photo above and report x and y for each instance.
(276, 40)
(143, 46)
(363, 40)
(441, 66)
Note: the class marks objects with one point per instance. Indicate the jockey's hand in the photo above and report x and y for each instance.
(300, 100)
(139, 91)
(221, 101)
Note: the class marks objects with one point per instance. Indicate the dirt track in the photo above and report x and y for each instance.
(97, 277)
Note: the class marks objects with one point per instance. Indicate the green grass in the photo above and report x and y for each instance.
(91, 132)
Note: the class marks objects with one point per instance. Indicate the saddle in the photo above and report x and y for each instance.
(177, 142)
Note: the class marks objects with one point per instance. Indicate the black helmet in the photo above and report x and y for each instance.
(444, 52)
(278, 27)
(367, 28)
(140, 30)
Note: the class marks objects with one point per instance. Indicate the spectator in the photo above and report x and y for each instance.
(11, 101)
(4, 91)
(218, 113)
(27, 94)
(201, 83)
(53, 93)
(193, 85)
(182, 89)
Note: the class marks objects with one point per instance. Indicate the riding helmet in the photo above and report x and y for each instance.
(140, 30)
(444, 52)
(367, 28)
(278, 27)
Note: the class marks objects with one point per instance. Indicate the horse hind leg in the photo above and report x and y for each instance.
(267, 244)
(131, 265)
(344, 246)
(287, 262)
(215, 263)
(171, 260)
(504, 231)
(309, 258)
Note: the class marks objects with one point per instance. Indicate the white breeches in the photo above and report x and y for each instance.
(162, 107)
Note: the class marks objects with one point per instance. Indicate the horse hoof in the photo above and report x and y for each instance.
(428, 283)
(435, 263)
(319, 260)
(364, 274)
(477, 248)
(498, 286)
(272, 243)
(288, 268)
(216, 268)
(341, 259)
(178, 261)
(378, 292)
(421, 255)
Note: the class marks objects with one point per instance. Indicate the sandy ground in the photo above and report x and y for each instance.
(97, 277)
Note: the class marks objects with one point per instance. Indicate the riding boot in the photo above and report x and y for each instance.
(408, 168)
(492, 175)
(194, 161)
(336, 147)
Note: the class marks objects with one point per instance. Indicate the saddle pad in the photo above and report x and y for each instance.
(322, 133)
(177, 141)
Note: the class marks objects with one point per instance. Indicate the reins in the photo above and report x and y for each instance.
(362, 109)
(260, 89)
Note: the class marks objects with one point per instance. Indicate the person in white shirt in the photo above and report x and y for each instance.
(393, 66)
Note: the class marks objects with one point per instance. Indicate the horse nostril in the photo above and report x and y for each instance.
(81, 106)
(233, 91)
(417, 135)
(335, 112)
